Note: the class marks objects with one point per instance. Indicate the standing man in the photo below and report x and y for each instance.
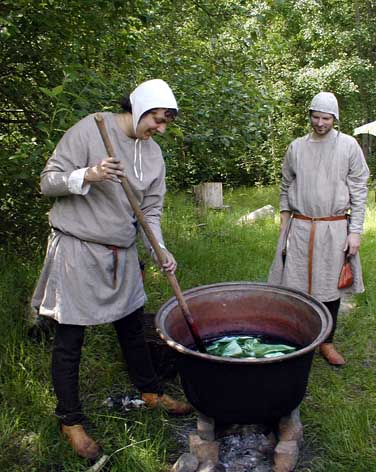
(322, 204)
(91, 273)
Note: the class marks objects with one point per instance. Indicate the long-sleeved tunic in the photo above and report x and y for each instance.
(321, 178)
(76, 285)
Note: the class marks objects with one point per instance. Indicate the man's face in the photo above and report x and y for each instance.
(321, 122)
(154, 122)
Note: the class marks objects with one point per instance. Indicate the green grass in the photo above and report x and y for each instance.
(338, 413)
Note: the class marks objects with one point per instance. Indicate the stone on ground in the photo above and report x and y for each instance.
(206, 427)
(209, 466)
(286, 456)
(266, 211)
(290, 427)
(186, 463)
(203, 450)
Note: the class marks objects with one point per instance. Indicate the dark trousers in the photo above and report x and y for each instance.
(333, 307)
(66, 356)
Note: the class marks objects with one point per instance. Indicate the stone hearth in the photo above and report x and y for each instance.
(242, 448)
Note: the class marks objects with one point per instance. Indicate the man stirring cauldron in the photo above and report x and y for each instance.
(91, 273)
(322, 205)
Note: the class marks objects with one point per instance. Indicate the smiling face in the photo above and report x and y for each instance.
(153, 122)
(321, 122)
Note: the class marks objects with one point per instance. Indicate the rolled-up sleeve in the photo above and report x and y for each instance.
(76, 182)
(70, 155)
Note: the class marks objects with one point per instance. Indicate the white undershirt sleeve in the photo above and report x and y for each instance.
(76, 182)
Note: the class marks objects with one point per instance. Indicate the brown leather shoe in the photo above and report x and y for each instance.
(331, 355)
(175, 407)
(81, 442)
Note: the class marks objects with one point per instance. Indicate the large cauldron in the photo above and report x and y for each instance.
(245, 390)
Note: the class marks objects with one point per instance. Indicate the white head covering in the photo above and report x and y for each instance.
(151, 94)
(325, 102)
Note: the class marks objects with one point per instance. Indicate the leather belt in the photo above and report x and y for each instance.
(313, 220)
(115, 256)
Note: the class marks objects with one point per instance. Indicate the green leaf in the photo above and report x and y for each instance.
(47, 92)
(57, 90)
(247, 347)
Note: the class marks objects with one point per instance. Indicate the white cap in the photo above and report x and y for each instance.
(154, 93)
(325, 102)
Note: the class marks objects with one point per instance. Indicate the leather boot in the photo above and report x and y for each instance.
(331, 355)
(81, 442)
(175, 407)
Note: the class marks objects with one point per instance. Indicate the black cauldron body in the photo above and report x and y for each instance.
(245, 391)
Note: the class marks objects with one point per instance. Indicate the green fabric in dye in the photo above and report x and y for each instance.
(246, 347)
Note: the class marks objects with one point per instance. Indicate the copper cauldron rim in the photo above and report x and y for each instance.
(323, 312)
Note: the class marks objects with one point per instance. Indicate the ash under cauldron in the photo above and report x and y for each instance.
(242, 448)
(239, 448)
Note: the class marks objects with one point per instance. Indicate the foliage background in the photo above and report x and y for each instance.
(243, 72)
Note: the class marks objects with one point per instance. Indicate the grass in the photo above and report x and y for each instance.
(338, 413)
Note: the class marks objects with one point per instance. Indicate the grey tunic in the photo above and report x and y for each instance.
(321, 178)
(76, 285)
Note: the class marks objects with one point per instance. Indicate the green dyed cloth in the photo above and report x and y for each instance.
(246, 347)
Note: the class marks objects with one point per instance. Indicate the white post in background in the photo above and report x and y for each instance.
(209, 194)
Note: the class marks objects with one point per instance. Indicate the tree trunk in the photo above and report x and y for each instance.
(209, 194)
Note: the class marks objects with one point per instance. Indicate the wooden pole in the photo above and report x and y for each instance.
(152, 239)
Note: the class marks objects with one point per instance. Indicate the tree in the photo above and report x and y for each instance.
(243, 72)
